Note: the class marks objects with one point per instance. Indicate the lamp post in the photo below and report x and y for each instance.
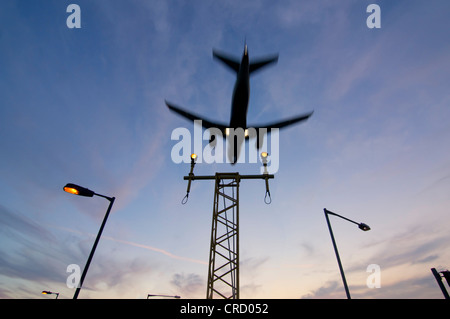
(361, 226)
(78, 190)
(46, 292)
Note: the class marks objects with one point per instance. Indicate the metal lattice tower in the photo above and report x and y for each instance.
(223, 269)
(223, 272)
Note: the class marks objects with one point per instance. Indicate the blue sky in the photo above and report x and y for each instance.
(87, 106)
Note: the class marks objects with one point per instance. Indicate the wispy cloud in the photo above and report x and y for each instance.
(162, 251)
(331, 289)
(189, 285)
(415, 245)
(23, 242)
(130, 243)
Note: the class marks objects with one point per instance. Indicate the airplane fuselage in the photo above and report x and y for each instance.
(241, 95)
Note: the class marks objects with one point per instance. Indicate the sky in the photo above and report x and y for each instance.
(86, 106)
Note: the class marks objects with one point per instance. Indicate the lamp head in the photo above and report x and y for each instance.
(78, 190)
(264, 156)
(363, 226)
(193, 158)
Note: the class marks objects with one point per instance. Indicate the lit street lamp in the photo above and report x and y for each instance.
(361, 226)
(46, 292)
(191, 175)
(78, 190)
(267, 198)
(264, 161)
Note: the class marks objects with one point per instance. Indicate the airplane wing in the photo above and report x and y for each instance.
(285, 123)
(279, 125)
(205, 123)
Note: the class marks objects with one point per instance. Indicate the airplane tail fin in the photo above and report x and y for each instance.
(234, 64)
(256, 65)
(229, 61)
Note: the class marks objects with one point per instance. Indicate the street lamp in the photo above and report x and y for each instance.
(191, 174)
(439, 281)
(267, 198)
(46, 292)
(150, 295)
(264, 161)
(361, 226)
(78, 190)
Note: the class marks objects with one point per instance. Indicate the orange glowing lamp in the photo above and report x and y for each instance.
(78, 190)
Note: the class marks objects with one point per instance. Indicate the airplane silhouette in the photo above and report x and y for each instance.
(239, 104)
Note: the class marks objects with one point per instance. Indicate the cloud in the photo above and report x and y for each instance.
(426, 259)
(404, 257)
(331, 289)
(32, 259)
(134, 244)
(162, 251)
(418, 244)
(405, 260)
(250, 269)
(28, 249)
(420, 286)
(189, 285)
(293, 14)
(112, 277)
(20, 226)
